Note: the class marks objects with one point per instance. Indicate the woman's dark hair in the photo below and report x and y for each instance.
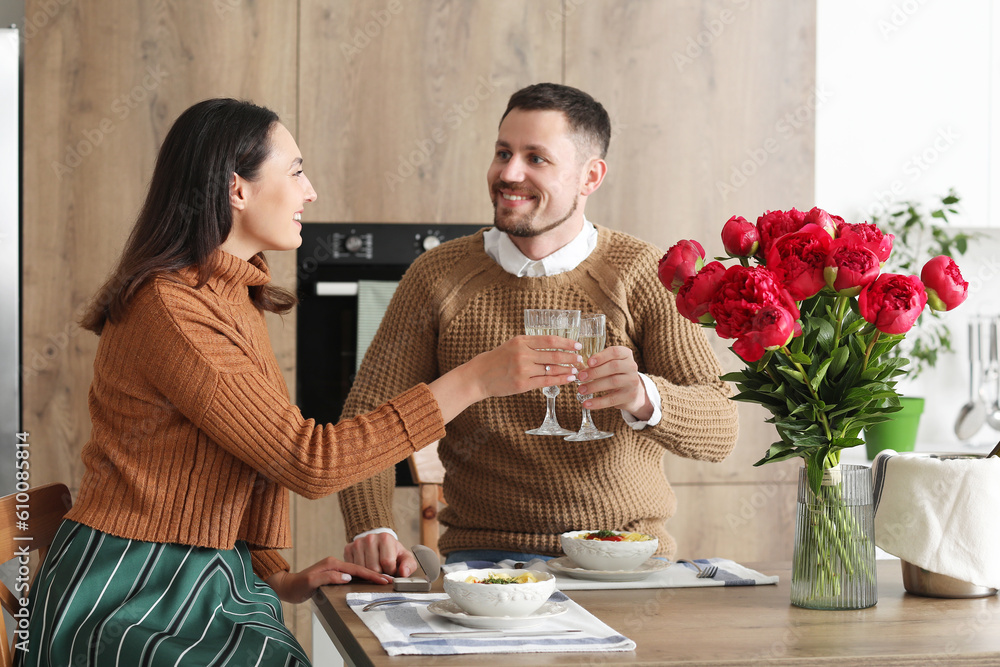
(585, 115)
(187, 214)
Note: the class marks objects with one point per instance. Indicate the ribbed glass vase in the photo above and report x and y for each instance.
(833, 566)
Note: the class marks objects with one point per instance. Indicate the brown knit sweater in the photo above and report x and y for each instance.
(511, 491)
(194, 440)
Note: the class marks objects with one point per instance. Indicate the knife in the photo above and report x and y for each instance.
(491, 633)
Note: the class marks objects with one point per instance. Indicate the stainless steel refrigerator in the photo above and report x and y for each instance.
(10, 263)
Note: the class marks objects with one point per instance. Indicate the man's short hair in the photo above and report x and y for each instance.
(585, 115)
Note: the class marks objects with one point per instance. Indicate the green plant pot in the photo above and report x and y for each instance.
(899, 433)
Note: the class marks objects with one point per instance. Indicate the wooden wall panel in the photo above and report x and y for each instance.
(398, 109)
(712, 107)
(400, 101)
(103, 83)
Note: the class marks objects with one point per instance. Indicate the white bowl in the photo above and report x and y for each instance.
(609, 556)
(517, 600)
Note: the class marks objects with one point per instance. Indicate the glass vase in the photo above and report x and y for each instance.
(833, 566)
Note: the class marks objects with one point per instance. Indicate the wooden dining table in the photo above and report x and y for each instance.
(735, 625)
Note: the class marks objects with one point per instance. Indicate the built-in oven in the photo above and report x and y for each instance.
(346, 275)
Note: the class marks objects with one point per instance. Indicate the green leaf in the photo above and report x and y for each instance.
(838, 361)
(820, 374)
(801, 358)
(792, 374)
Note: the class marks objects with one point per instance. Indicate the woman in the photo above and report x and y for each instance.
(194, 446)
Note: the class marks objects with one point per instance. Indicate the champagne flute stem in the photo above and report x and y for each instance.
(587, 422)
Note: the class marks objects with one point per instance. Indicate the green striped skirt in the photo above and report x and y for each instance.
(105, 600)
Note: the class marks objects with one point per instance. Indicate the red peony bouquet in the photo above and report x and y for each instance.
(811, 313)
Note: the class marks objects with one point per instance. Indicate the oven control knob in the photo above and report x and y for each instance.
(431, 241)
(353, 243)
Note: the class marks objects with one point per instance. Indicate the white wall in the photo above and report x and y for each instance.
(912, 88)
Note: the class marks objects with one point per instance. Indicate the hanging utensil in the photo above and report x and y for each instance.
(993, 414)
(972, 415)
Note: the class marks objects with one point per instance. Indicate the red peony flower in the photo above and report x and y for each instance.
(892, 302)
(775, 224)
(740, 238)
(741, 294)
(682, 260)
(773, 327)
(697, 292)
(869, 236)
(944, 283)
(800, 258)
(818, 216)
(850, 266)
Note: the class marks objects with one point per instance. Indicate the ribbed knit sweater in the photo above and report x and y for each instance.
(194, 439)
(511, 491)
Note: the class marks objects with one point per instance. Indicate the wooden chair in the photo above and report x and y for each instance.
(27, 526)
(428, 473)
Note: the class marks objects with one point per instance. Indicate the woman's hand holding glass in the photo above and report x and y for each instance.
(525, 363)
(565, 323)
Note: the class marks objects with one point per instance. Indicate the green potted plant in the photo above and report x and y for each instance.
(922, 231)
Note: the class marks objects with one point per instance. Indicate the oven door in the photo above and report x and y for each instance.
(338, 315)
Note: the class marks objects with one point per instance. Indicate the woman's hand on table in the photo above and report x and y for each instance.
(298, 587)
(381, 552)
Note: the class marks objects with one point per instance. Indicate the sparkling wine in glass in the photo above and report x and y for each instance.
(593, 337)
(564, 323)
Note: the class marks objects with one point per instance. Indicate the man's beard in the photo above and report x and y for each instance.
(520, 224)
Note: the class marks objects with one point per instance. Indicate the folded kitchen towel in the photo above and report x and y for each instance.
(677, 575)
(938, 514)
(373, 299)
(393, 624)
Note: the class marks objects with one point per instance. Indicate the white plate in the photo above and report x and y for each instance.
(567, 566)
(451, 611)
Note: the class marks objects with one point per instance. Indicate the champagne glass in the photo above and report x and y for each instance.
(565, 323)
(593, 337)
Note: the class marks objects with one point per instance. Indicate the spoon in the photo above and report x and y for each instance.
(973, 414)
(993, 414)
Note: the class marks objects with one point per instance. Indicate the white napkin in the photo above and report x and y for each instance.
(938, 514)
(392, 624)
(678, 575)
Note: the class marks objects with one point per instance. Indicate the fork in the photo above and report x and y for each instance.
(707, 572)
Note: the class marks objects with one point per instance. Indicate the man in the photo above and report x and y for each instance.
(510, 494)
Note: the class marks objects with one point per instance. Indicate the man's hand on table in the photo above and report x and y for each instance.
(381, 552)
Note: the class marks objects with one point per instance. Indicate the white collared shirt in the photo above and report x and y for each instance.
(502, 250)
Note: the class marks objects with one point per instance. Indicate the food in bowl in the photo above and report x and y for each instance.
(527, 577)
(603, 552)
(499, 592)
(612, 536)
